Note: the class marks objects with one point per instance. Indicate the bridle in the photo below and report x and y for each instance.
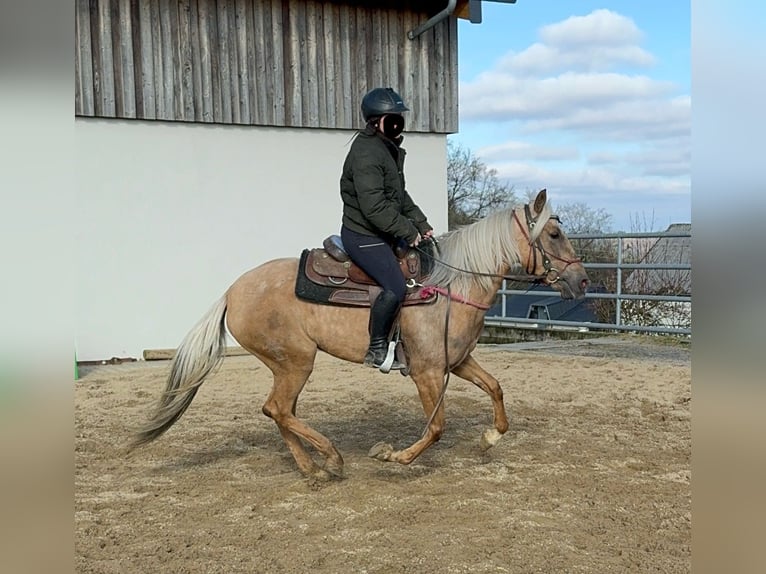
(551, 275)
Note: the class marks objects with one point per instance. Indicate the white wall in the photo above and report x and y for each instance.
(168, 215)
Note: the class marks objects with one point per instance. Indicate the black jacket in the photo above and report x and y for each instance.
(375, 200)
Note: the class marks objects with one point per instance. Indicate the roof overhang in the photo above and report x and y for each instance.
(471, 9)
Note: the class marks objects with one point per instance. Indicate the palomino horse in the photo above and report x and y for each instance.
(265, 317)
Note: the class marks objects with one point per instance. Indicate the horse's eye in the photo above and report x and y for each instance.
(555, 234)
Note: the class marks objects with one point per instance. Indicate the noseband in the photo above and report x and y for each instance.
(551, 275)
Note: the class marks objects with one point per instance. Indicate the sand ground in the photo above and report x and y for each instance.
(593, 475)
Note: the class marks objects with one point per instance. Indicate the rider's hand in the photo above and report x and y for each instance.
(428, 234)
(416, 241)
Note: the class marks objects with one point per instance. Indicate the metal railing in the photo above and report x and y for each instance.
(616, 291)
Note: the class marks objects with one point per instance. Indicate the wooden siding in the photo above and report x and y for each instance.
(261, 62)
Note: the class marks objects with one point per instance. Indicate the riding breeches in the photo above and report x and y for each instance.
(376, 258)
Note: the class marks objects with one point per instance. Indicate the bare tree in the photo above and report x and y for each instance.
(473, 189)
(577, 217)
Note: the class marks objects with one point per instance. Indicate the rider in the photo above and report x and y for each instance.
(378, 213)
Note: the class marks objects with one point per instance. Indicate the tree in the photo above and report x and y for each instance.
(577, 217)
(473, 189)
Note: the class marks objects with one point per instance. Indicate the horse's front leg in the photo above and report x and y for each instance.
(471, 371)
(429, 387)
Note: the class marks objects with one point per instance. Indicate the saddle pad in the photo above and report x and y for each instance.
(314, 288)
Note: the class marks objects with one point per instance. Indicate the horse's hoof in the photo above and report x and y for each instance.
(381, 451)
(334, 469)
(319, 477)
(489, 438)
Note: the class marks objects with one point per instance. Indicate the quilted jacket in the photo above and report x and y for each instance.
(375, 199)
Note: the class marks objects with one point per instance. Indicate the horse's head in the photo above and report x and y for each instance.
(551, 254)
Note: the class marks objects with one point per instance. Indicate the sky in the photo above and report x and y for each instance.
(589, 99)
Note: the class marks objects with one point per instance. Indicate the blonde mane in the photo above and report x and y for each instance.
(487, 246)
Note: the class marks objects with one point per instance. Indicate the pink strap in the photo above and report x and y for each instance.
(429, 290)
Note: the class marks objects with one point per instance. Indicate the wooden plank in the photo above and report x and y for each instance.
(167, 110)
(422, 87)
(438, 71)
(242, 71)
(451, 103)
(330, 40)
(345, 59)
(128, 62)
(154, 22)
(252, 81)
(262, 46)
(122, 51)
(227, 115)
(104, 70)
(177, 61)
(292, 55)
(114, 7)
(361, 85)
(321, 67)
(278, 63)
(215, 63)
(185, 53)
(168, 354)
(376, 47)
(135, 42)
(407, 69)
(309, 65)
(85, 59)
(146, 106)
(77, 75)
(396, 38)
(389, 75)
(205, 108)
(234, 62)
(196, 59)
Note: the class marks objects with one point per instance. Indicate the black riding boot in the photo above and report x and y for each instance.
(382, 315)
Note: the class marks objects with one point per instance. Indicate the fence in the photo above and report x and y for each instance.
(641, 281)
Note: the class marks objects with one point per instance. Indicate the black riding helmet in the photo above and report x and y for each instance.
(381, 101)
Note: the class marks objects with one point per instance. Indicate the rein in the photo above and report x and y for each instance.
(550, 276)
(429, 290)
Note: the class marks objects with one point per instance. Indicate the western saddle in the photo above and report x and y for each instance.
(341, 282)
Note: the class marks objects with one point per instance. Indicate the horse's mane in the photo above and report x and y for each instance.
(486, 246)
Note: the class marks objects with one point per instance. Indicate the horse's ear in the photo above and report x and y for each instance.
(540, 201)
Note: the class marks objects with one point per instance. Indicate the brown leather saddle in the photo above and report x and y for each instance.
(327, 275)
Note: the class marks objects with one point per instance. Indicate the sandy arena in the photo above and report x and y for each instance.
(593, 475)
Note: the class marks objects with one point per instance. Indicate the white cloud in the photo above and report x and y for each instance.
(569, 183)
(626, 135)
(500, 96)
(602, 27)
(601, 41)
(527, 151)
(539, 57)
(622, 120)
(671, 159)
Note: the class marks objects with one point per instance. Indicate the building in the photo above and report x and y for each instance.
(210, 135)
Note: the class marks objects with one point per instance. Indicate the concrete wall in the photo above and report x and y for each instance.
(168, 215)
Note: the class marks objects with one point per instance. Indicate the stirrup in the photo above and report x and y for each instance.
(390, 363)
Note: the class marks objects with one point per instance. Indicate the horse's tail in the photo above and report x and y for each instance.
(202, 350)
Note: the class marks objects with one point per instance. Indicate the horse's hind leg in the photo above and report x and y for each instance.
(280, 406)
(471, 371)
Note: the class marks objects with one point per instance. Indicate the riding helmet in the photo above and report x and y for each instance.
(381, 101)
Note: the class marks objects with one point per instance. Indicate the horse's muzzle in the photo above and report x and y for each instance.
(572, 285)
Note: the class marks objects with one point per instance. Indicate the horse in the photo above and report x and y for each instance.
(262, 313)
